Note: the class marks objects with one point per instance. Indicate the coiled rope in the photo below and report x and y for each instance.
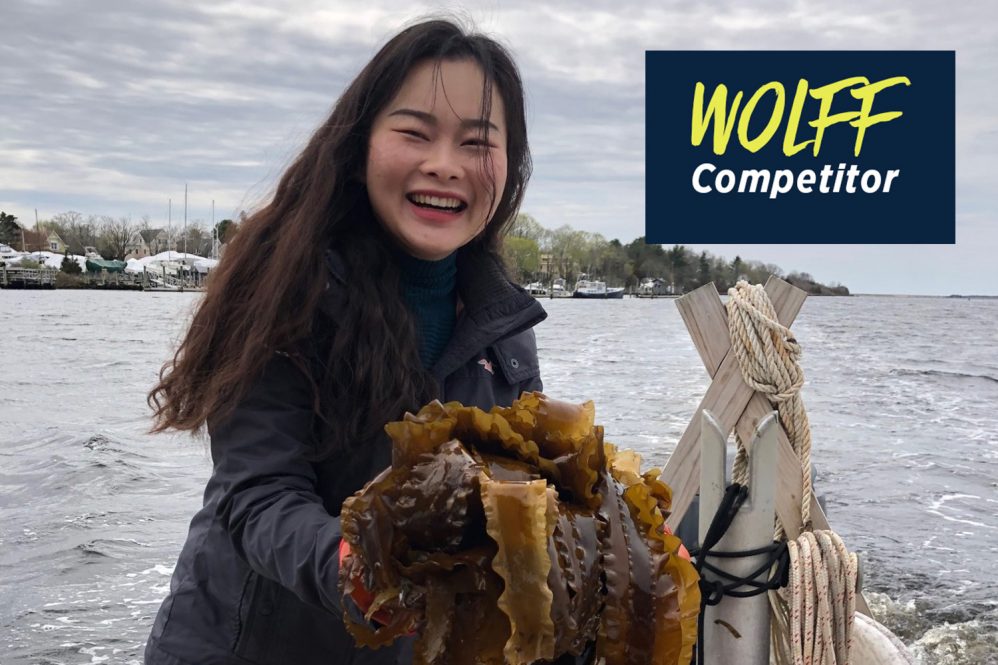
(812, 617)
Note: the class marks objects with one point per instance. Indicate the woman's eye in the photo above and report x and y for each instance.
(478, 143)
(413, 133)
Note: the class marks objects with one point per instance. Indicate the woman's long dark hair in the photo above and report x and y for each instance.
(264, 296)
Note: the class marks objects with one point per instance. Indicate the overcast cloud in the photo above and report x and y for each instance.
(109, 107)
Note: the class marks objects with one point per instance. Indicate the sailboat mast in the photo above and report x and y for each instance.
(214, 231)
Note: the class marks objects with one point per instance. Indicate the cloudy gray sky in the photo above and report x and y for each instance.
(110, 106)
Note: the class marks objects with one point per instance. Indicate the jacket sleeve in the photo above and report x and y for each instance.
(532, 367)
(532, 384)
(270, 506)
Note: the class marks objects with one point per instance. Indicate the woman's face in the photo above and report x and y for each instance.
(426, 173)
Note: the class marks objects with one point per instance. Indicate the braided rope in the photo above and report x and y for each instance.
(812, 617)
(768, 355)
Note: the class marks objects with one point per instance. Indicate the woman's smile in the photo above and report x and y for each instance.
(437, 206)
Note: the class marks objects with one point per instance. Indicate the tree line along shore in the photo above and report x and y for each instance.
(532, 252)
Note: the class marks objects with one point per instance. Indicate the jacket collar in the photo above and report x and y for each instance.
(485, 289)
(494, 307)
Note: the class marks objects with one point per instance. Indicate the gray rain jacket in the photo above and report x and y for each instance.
(256, 581)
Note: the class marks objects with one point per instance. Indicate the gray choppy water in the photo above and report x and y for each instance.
(901, 393)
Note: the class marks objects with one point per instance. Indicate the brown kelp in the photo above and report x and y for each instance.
(516, 536)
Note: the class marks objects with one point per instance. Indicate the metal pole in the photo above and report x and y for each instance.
(169, 228)
(183, 261)
(737, 629)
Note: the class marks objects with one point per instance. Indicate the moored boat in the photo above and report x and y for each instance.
(592, 288)
(653, 287)
(559, 289)
(537, 290)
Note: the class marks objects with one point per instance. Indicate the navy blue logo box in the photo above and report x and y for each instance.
(900, 188)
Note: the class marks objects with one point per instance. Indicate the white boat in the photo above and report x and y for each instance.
(559, 289)
(592, 288)
(652, 287)
(537, 290)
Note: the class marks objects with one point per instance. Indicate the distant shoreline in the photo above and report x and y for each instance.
(973, 296)
(135, 288)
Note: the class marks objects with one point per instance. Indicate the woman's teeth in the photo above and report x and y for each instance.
(439, 202)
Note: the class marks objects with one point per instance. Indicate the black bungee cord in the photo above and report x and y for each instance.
(712, 591)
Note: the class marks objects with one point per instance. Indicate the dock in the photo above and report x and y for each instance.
(27, 278)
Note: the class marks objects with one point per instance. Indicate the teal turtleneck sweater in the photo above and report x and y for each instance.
(429, 289)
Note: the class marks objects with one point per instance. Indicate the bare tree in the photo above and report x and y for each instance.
(76, 231)
(34, 241)
(568, 247)
(525, 226)
(198, 240)
(68, 219)
(114, 237)
(594, 248)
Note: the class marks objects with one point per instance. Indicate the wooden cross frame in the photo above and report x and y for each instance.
(736, 406)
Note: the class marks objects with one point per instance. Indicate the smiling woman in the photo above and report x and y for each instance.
(370, 284)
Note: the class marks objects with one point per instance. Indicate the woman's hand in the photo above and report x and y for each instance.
(361, 597)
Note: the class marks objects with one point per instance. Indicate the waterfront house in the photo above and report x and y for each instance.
(147, 242)
(55, 243)
(160, 241)
(138, 244)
